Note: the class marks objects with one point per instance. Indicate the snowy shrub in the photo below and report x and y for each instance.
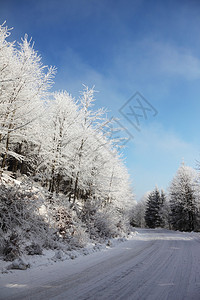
(68, 227)
(104, 222)
(11, 246)
(34, 249)
(123, 223)
(18, 207)
(111, 222)
(20, 220)
(88, 215)
(63, 221)
(80, 237)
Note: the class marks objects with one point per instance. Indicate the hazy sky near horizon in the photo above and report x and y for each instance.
(124, 47)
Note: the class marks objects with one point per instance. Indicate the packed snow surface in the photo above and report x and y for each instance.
(154, 264)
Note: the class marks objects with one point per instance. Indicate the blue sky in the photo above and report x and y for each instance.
(122, 47)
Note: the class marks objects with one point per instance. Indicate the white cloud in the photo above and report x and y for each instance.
(177, 61)
(148, 58)
(160, 146)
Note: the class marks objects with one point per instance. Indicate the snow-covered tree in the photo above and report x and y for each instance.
(59, 129)
(184, 201)
(24, 83)
(164, 211)
(64, 145)
(138, 212)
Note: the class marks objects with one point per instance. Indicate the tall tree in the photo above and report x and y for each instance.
(24, 84)
(183, 199)
(138, 215)
(164, 210)
(152, 214)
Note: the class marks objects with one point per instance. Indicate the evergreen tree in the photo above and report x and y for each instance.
(152, 214)
(183, 200)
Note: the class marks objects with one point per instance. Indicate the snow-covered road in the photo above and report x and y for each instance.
(155, 264)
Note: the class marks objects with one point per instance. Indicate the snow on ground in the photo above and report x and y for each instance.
(154, 264)
(49, 257)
